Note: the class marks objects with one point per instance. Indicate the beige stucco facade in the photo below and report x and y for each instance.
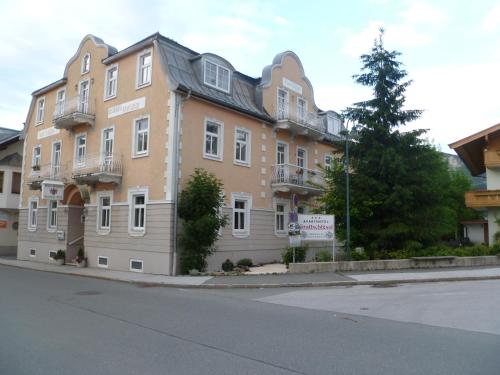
(143, 174)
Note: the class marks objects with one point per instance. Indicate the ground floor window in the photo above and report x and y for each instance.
(33, 214)
(52, 215)
(137, 213)
(241, 214)
(104, 213)
(136, 265)
(102, 261)
(280, 218)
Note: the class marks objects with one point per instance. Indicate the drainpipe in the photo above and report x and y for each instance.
(177, 119)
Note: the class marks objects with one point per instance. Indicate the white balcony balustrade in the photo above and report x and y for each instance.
(101, 167)
(309, 125)
(39, 173)
(296, 179)
(73, 112)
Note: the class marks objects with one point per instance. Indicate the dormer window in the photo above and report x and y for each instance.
(217, 76)
(333, 125)
(86, 63)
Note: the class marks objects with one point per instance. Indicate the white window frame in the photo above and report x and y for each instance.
(102, 265)
(328, 165)
(247, 198)
(286, 110)
(56, 167)
(248, 143)
(51, 227)
(133, 231)
(85, 69)
(138, 83)
(100, 195)
(134, 269)
(59, 110)
(304, 116)
(32, 227)
(287, 153)
(36, 161)
(107, 81)
(107, 159)
(286, 212)
(135, 152)
(220, 140)
(32, 255)
(218, 79)
(40, 110)
(76, 162)
(299, 148)
(83, 106)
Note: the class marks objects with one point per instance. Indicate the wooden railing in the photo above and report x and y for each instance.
(482, 198)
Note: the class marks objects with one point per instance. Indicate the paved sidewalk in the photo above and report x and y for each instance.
(269, 281)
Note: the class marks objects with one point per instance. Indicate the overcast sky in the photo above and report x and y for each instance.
(451, 49)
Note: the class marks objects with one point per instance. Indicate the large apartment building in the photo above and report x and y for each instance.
(109, 146)
(481, 154)
(11, 150)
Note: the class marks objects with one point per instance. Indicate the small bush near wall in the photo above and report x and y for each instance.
(440, 250)
(323, 256)
(245, 262)
(300, 254)
(227, 266)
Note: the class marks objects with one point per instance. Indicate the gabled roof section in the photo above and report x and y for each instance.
(8, 136)
(12, 160)
(182, 73)
(471, 149)
(278, 62)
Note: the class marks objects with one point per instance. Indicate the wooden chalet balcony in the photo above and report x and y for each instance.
(40, 173)
(74, 112)
(310, 125)
(99, 167)
(492, 158)
(482, 198)
(292, 178)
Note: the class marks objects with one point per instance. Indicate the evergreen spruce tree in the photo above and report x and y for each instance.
(398, 180)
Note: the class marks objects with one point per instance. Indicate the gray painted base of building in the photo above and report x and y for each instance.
(393, 264)
(8, 250)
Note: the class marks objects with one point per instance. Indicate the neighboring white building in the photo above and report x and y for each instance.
(11, 149)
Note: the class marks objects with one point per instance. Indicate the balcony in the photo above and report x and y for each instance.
(492, 158)
(40, 173)
(482, 198)
(74, 112)
(310, 125)
(102, 168)
(294, 179)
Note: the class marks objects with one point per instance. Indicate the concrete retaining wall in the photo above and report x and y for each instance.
(393, 264)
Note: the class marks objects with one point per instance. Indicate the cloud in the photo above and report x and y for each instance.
(281, 21)
(491, 21)
(419, 20)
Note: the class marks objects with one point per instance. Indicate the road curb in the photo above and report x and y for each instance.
(311, 284)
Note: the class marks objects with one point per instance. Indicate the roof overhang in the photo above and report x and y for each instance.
(471, 149)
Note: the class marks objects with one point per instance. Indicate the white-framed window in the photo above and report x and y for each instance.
(83, 96)
(301, 109)
(102, 261)
(32, 253)
(80, 149)
(40, 110)
(104, 200)
(242, 146)
(52, 254)
(217, 76)
(281, 212)
(37, 156)
(136, 265)
(52, 215)
(86, 63)
(328, 161)
(241, 204)
(33, 213)
(56, 159)
(213, 145)
(283, 104)
(107, 145)
(138, 199)
(60, 100)
(302, 157)
(111, 84)
(141, 137)
(144, 68)
(333, 125)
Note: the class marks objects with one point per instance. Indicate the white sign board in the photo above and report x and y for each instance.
(47, 132)
(123, 108)
(317, 227)
(292, 85)
(294, 241)
(53, 190)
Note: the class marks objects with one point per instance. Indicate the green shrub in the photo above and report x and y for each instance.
(355, 255)
(323, 256)
(61, 254)
(245, 262)
(300, 254)
(227, 266)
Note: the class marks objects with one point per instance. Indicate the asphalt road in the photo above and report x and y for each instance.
(60, 324)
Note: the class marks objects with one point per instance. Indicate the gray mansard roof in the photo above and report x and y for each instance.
(185, 73)
(8, 136)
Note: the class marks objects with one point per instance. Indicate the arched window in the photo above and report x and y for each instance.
(86, 63)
